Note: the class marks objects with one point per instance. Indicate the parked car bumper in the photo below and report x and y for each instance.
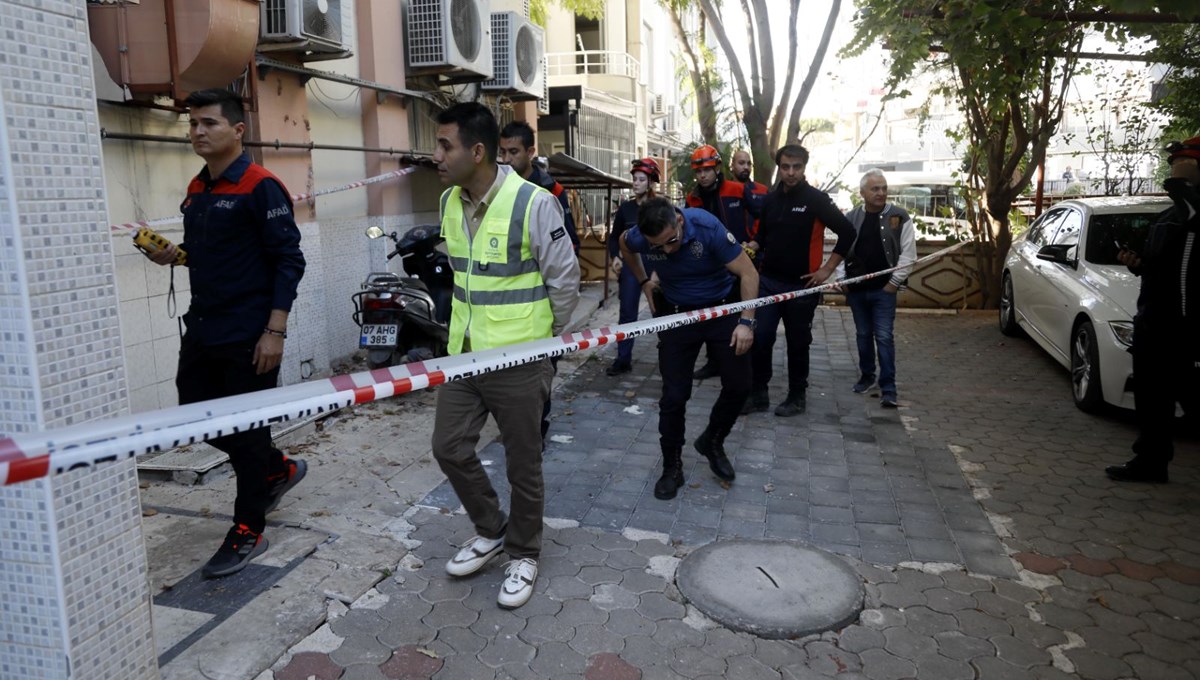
(1116, 368)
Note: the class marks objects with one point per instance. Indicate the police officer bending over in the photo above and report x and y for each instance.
(696, 260)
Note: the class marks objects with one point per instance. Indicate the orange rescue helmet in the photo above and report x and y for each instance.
(706, 156)
(649, 166)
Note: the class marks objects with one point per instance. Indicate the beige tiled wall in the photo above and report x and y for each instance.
(74, 601)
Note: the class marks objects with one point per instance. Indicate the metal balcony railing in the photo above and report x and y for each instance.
(592, 62)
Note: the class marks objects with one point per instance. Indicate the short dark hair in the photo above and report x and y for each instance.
(518, 129)
(655, 216)
(231, 103)
(476, 125)
(791, 151)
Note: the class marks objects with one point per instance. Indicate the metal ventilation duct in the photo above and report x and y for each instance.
(173, 47)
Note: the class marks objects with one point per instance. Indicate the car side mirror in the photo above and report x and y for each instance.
(1058, 253)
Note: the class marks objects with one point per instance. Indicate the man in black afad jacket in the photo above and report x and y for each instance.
(1166, 329)
(791, 245)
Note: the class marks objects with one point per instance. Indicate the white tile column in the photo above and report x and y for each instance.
(74, 598)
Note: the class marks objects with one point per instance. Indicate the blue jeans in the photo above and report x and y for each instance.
(874, 318)
(797, 315)
(630, 296)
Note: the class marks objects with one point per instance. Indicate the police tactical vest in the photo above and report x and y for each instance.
(499, 294)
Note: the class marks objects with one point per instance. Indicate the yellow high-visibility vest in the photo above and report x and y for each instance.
(499, 293)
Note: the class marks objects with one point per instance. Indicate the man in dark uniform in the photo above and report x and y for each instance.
(791, 241)
(697, 262)
(742, 166)
(1166, 328)
(517, 150)
(727, 200)
(244, 264)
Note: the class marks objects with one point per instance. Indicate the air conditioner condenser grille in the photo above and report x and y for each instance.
(517, 56)
(275, 16)
(426, 40)
(528, 56)
(465, 27)
(501, 65)
(323, 19)
(429, 31)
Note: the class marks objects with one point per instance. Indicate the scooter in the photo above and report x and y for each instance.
(406, 318)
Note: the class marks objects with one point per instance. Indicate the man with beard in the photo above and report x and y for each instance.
(742, 167)
(792, 239)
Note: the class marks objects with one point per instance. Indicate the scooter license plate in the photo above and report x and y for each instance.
(379, 335)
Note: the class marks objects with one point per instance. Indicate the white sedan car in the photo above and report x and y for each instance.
(1064, 287)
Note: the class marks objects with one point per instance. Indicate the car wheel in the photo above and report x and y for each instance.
(1008, 309)
(1085, 369)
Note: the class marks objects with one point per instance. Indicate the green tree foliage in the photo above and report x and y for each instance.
(1123, 128)
(1173, 29)
(699, 62)
(1178, 47)
(539, 9)
(1008, 71)
(770, 106)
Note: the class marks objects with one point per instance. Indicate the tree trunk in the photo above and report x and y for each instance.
(706, 110)
(814, 69)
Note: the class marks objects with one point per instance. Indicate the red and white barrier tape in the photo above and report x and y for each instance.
(296, 198)
(41, 454)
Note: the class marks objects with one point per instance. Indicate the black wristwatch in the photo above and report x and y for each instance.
(752, 323)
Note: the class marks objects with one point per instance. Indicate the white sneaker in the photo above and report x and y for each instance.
(474, 554)
(517, 588)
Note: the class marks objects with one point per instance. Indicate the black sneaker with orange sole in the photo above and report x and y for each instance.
(296, 469)
(241, 545)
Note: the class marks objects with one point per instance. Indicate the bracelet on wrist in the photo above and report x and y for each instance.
(272, 331)
(644, 282)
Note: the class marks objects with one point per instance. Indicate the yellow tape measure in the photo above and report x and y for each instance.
(149, 241)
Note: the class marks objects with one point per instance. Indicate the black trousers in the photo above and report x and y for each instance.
(797, 315)
(215, 371)
(546, 406)
(1164, 372)
(677, 352)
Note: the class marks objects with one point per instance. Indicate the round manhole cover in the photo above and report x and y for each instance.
(772, 589)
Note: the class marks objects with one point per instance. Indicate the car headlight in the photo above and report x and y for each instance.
(1123, 330)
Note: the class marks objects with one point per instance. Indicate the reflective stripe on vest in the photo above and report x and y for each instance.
(499, 294)
(501, 297)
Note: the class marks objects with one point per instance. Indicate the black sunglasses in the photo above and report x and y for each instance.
(659, 247)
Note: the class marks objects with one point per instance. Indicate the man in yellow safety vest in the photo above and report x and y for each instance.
(516, 279)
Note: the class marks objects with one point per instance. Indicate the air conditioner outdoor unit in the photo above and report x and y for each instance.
(673, 122)
(543, 105)
(448, 37)
(517, 56)
(312, 25)
(658, 105)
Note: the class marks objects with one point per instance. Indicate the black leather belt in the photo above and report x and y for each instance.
(664, 307)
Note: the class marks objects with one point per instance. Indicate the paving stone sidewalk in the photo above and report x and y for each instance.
(988, 539)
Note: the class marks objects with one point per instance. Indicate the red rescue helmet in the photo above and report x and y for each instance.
(706, 156)
(649, 166)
